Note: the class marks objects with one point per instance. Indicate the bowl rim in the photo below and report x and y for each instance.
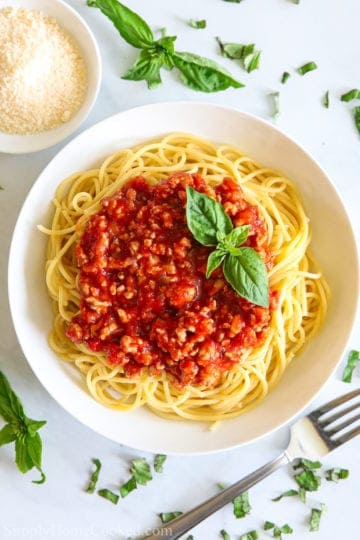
(27, 143)
(151, 447)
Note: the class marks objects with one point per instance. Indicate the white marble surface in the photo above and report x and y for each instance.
(289, 35)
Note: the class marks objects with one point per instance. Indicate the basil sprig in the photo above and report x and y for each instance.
(242, 266)
(21, 430)
(196, 72)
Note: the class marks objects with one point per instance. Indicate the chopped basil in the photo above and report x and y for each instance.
(353, 356)
(141, 471)
(285, 76)
(357, 118)
(326, 99)
(251, 535)
(169, 516)
(275, 97)
(197, 24)
(94, 477)
(290, 493)
(336, 474)
(307, 464)
(248, 56)
(295, 2)
(222, 485)
(310, 66)
(308, 480)
(129, 486)
(21, 430)
(109, 495)
(225, 534)
(315, 517)
(190, 537)
(277, 531)
(159, 461)
(302, 495)
(241, 505)
(352, 94)
(203, 74)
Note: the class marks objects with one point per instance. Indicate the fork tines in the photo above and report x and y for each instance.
(324, 423)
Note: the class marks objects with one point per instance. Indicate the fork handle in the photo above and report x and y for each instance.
(185, 522)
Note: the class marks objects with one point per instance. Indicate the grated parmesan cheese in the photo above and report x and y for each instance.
(43, 77)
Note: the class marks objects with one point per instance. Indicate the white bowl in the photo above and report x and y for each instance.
(333, 242)
(71, 21)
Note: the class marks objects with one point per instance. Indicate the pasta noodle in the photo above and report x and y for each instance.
(301, 288)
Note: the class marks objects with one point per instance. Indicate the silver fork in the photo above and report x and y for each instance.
(311, 437)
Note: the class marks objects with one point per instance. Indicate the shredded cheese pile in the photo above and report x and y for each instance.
(43, 76)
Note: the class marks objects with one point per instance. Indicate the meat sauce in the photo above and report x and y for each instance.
(145, 301)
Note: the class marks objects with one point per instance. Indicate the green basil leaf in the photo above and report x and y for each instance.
(352, 94)
(34, 448)
(251, 535)
(141, 471)
(285, 77)
(247, 274)
(225, 534)
(205, 217)
(241, 505)
(34, 425)
(214, 260)
(357, 118)
(169, 516)
(268, 525)
(166, 43)
(7, 435)
(129, 24)
(129, 486)
(109, 495)
(94, 477)
(203, 74)
(159, 461)
(147, 67)
(290, 493)
(23, 458)
(237, 236)
(197, 24)
(326, 100)
(310, 66)
(222, 485)
(352, 361)
(11, 408)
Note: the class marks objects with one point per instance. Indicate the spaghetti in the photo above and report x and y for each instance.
(300, 290)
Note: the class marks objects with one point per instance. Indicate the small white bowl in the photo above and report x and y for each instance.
(71, 21)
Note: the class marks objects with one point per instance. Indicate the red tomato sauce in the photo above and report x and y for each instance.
(145, 301)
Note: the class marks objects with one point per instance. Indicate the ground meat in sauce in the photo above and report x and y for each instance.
(145, 300)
